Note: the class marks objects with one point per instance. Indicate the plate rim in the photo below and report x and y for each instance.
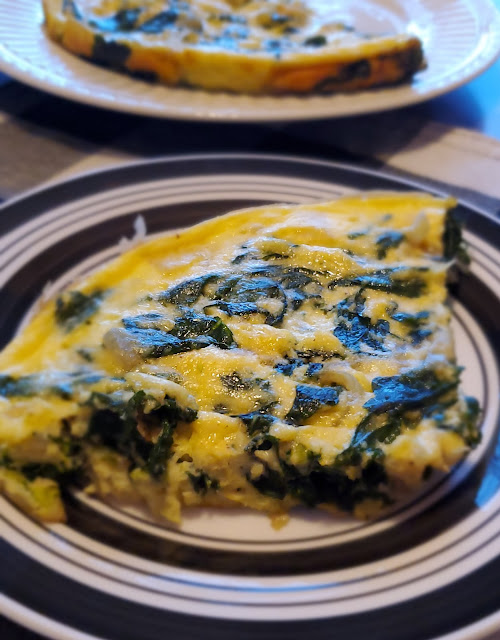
(417, 182)
(218, 114)
(15, 611)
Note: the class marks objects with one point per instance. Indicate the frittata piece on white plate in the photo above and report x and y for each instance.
(249, 46)
(267, 358)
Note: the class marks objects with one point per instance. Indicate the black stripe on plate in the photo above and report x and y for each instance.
(32, 204)
(232, 588)
(138, 202)
(45, 591)
(491, 257)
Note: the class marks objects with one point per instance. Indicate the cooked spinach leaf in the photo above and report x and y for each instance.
(315, 41)
(308, 354)
(154, 343)
(74, 307)
(296, 298)
(70, 6)
(116, 426)
(421, 390)
(193, 326)
(244, 293)
(60, 472)
(236, 31)
(236, 308)
(171, 410)
(453, 242)
(161, 451)
(69, 444)
(143, 321)
(404, 284)
(414, 322)
(309, 399)
(240, 257)
(190, 331)
(63, 384)
(354, 329)
(187, 292)
(85, 354)
(23, 386)
(270, 483)
(468, 427)
(257, 422)
(110, 53)
(369, 433)
(357, 234)
(161, 21)
(318, 484)
(411, 390)
(289, 366)
(287, 277)
(202, 482)
(123, 20)
(419, 335)
(59, 383)
(257, 390)
(234, 382)
(229, 17)
(388, 240)
(262, 442)
(275, 256)
(313, 483)
(241, 294)
(360, 331)
(247, 288)
(313, 369)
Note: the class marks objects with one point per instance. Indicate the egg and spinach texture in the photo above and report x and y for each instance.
(267, 358)
(249, 46)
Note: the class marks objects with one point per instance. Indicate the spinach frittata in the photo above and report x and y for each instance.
(267, 358)
(251, 46)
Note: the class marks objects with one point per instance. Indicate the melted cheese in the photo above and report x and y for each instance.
(252, 46)
(265, 358)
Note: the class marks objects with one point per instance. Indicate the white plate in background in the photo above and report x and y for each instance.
(461, 39)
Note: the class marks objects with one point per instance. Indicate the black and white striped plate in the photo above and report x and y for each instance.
(427, 570)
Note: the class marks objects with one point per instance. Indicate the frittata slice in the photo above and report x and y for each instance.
(267, 358)
(251, 46)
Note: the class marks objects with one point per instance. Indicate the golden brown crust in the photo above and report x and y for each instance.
(357, 65)
(392, 67)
